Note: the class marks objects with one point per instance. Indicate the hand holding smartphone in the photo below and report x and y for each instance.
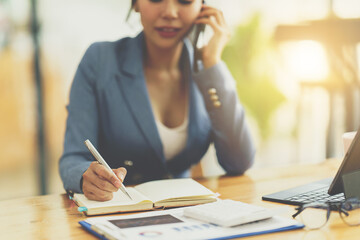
(210, 53)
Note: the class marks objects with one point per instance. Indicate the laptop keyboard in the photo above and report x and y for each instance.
(318, 195)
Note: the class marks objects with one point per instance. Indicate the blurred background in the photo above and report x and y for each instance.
(296, 63)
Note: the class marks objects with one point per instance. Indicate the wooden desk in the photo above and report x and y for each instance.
(56, 217)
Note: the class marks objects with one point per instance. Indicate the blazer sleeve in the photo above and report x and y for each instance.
(234, 146)
(82, 122)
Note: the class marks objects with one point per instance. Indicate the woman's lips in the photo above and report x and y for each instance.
(167, 32)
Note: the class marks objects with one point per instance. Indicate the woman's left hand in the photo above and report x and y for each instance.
(211, 53)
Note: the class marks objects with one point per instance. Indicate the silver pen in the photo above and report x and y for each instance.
(100, 159)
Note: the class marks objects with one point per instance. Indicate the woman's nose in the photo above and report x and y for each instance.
(170, 10)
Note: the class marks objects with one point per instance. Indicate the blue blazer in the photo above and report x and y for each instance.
(109, 104)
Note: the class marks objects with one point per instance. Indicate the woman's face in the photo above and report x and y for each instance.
(167, 22)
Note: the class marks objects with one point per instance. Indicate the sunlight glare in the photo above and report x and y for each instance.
(306, 60)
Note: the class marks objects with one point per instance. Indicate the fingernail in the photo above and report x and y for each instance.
(121, 176)
(117, 184)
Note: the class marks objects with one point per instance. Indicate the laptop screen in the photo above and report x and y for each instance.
(351, 163)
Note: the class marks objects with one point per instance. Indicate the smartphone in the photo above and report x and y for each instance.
(198, 30)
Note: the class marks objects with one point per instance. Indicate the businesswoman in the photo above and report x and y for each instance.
(144, 108)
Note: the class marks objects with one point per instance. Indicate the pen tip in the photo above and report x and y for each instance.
(129, 196)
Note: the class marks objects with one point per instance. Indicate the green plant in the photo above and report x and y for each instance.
(249, 58)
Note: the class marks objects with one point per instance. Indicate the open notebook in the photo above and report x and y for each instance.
(150, 195)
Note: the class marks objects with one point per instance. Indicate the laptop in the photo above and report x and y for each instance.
(326, 190)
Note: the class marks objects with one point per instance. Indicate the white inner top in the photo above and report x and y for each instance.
(173, 139)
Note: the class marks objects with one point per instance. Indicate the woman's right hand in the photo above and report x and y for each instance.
(99, 184)
(211, 53)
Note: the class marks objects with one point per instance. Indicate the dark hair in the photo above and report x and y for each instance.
(132, 5)
(133, 2)
(129, 12)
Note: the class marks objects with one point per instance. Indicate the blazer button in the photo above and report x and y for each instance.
(214, 97)
(137, 178)
(168, 176)
(212, 91)
(128, 163)
(217, 104)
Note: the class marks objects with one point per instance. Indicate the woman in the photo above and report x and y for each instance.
(143, 108)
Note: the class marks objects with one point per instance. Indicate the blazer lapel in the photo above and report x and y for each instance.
(199, 125)
(198, 120)
(134, 89)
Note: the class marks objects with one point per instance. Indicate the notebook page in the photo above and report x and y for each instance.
(118, 199)
(172, 189)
